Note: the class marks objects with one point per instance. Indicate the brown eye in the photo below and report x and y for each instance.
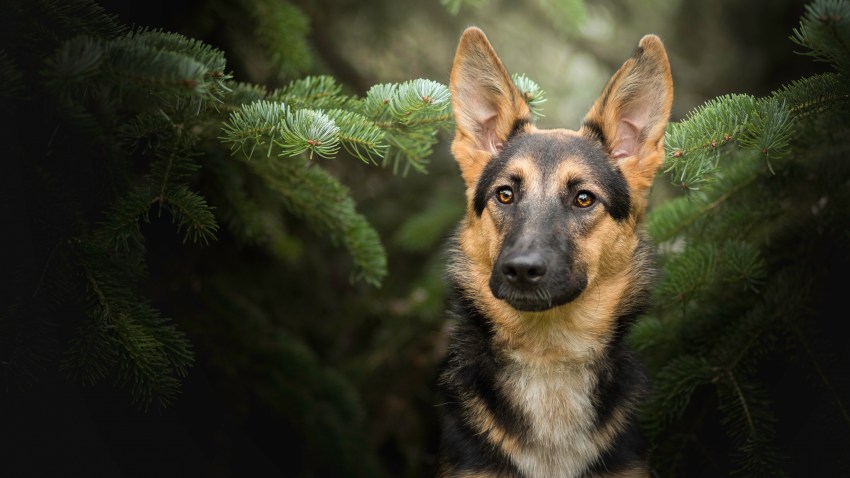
(505, 195)
(584, 199)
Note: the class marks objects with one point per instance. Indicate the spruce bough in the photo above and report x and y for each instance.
(746, 251)
(169, 133)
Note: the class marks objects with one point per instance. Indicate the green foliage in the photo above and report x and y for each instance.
(531, 93)
(155, 111)
(824, 33)
(763, 182)
(396, 122)
(406, 113)
(697, 144)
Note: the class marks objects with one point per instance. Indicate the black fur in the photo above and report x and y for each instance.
(470, 366)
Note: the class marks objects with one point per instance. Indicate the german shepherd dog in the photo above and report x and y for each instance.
(548, 269)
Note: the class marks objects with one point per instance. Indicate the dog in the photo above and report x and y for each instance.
(547, 271)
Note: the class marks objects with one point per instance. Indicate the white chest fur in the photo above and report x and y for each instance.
(556, 399)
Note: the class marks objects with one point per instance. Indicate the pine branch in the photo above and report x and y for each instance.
(212, 58)
(143, 65)
(395, 122)
(190, 213)
(55, 21)
(743, 262)
(687, 274)
(124, 336)
(694, 145)
(143, 364)
(815, 94)
(93, 350)
(308, 130)
(359, 136)
(825, 32)
(533, 95)
(676, 384)
(699, 211)
(120, 229)
(419, 101)
(251, 212)
(740, 160)
(746, 413)
(254, 124)
(754, 433)
(75, 62)
(314, 92)
(311, 193)
(408, 150)
(410, 115)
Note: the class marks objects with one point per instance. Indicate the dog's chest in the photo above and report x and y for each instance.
(557, 403)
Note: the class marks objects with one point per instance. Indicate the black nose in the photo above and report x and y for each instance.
(524, 269)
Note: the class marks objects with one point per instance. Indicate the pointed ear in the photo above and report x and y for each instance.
(486, 104)
(631, 114)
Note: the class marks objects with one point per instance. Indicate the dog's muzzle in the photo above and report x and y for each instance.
(527, 282)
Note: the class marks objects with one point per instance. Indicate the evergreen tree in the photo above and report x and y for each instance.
(148, 106)
(751, 253)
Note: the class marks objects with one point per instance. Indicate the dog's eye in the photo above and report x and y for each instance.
(584, 199)
(505, 195)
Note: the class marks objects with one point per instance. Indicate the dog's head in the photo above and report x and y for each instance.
(554, 213)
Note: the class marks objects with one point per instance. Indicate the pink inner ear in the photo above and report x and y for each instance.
(489, 140)
(626, 143)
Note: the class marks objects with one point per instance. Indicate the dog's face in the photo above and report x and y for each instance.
(553, 213)
(551, 200)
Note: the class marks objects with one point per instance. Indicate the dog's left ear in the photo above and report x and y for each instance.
(486, 104)
(631, 114)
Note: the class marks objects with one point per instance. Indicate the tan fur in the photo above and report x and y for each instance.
(496, 435)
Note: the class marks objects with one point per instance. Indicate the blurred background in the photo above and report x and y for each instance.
(299, 371)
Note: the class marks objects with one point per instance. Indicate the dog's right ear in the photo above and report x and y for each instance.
(630, 116)
(486, 104)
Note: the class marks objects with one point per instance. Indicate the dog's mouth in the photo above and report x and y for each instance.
(535, 279)
(538, 299)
